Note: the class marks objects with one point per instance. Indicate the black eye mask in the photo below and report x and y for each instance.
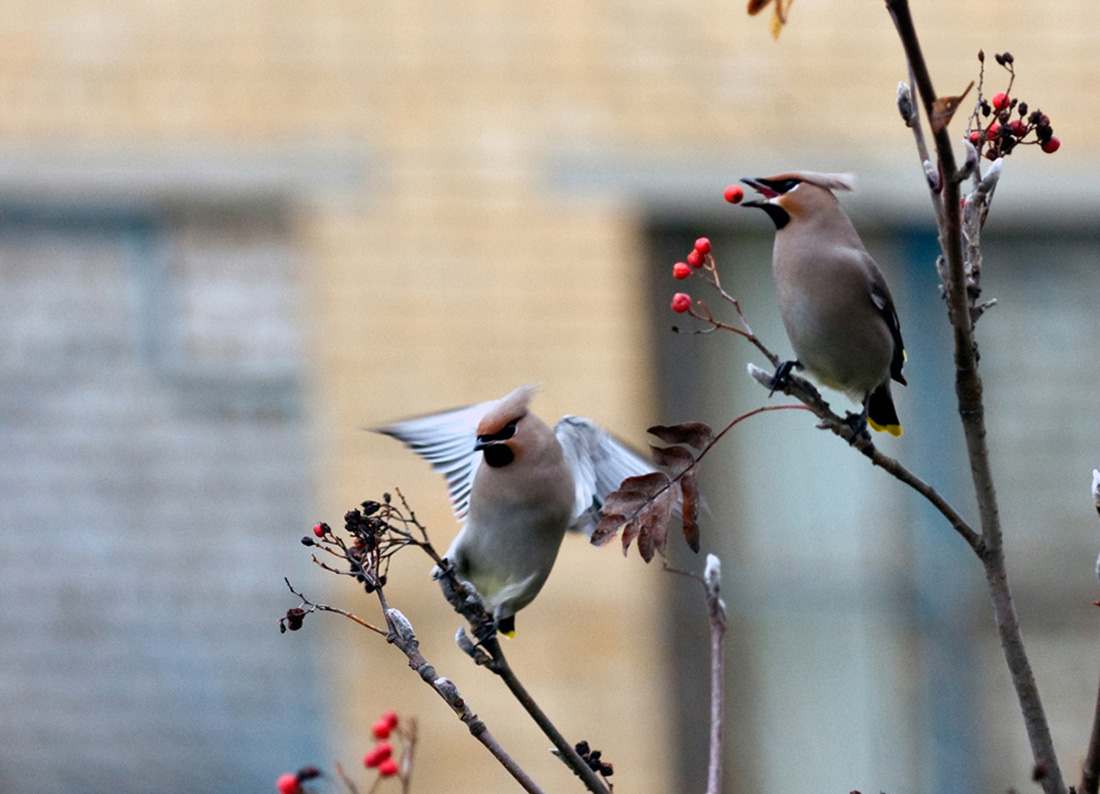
(503, 434)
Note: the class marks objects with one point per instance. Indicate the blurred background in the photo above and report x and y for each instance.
(235, 234)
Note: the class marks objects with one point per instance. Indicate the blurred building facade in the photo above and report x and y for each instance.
(233, 235)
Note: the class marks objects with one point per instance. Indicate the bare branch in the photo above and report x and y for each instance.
(968, 389)
(1090, 770)
(716, 609)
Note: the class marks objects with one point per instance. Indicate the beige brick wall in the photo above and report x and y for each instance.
(459, 271)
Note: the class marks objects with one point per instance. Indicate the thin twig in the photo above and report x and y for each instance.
(968, 389)
(1090, 770)
(805, 391)
(347, 781)
(716, 611)
(716, 614)
(312, 607)
(404, 638)
(746, 331)
(489, 653)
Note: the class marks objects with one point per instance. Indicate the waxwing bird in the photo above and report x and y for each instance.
(518, 486)
(833, 299)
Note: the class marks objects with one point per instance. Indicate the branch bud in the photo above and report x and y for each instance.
(989, 181)
(448, 691)
(400, 625)
(905, 104)
(970, 164)
(932, 174)
(712, 574)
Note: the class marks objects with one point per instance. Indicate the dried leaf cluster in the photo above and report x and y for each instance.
(643, 507)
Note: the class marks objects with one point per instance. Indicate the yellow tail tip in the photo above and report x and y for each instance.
(894, 430)
(509, 634)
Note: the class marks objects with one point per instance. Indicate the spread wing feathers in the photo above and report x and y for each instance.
(446, 441)
(600, 463)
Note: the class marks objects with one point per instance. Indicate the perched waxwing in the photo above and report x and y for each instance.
(833, 299)
(518, 486)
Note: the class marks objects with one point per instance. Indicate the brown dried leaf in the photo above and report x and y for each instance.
(646, 542)
(944, 108)
(756, 6)
(689, 488)
(694, 434)
(649, 483)
(608, 527)
(625, 502)
(652, 525)
(675, 459)
(631, 530)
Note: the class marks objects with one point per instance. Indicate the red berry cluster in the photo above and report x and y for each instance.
(698, 257)
(380, 757)
(1002, 132)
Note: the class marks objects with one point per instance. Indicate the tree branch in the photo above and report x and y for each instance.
(1090, 770)
(716, 609)
(803, 390)
(968, 390)
(488, 652)
(404, 638)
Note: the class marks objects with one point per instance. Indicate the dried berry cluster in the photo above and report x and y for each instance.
(1003, 122)
(594, 759)
(377, 530)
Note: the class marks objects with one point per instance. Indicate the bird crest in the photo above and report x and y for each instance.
(822, 180)
(507, 409)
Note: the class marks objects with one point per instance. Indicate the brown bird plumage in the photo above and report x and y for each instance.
(833, 299)
(519, 486)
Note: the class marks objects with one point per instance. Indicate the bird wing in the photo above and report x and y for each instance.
(884, 303)
(446, 440)
(600, 462)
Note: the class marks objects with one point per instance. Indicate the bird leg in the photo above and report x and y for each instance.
(858, 424)
(780, 380)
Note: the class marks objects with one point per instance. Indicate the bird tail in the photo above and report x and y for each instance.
(881, 414)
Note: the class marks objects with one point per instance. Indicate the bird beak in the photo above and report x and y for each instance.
(760, 188)
(480, 445)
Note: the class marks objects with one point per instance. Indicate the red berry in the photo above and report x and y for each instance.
(380, 753)
(381, 729)
(999, 101)
(681, 302)
(319, 530)
(1051, 146)
(702, 245)
(288, 784)
(387, 768)
(975, 137)
(734, 194)
(696, 258)
(389, 716)
(1019, 129)
(681, 270)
